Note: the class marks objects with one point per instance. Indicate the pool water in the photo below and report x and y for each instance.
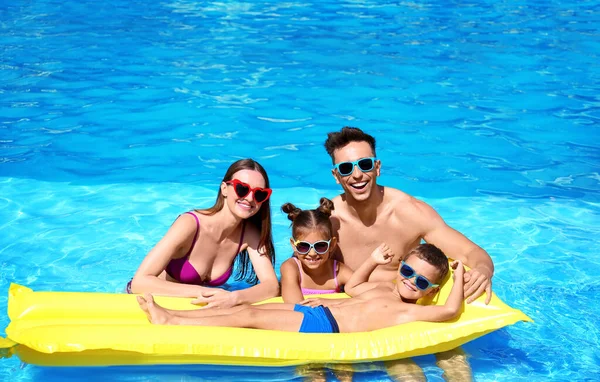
(116, 116)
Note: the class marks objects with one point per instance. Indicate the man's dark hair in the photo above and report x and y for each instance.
(338, 139)
(434, 256)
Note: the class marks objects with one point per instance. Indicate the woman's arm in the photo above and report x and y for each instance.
(269, 285)
(290, 282)
(177, 240)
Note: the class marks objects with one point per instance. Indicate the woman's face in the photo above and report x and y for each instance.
(244, 206)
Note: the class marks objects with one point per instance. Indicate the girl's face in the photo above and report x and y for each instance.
(316, 257)
(244, 206)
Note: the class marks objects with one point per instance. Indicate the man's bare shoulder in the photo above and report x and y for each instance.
(340, 209)
(405, 204)
(339, 203)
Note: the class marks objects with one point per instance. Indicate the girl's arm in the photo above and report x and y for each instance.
(358, 283)
(451, 309)
(290, 282)
(344, 273)
(175, 242)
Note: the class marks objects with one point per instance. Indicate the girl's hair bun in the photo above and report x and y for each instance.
(291, 210)
(326, 206)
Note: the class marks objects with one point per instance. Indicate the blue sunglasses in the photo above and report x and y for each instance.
(421, 282)
(364, 165)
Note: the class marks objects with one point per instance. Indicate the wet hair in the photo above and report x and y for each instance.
(261, 220)
(434, 256)
(304, 221)
(338, 139)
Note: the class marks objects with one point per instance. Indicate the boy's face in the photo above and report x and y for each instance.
(359, 184)
(406, 286)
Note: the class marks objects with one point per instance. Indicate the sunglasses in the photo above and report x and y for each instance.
(242, 189)
(364, 165)
(303, 247)
(421, 282)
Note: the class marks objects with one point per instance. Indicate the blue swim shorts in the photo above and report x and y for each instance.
(317, 320)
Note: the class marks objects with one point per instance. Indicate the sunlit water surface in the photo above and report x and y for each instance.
(117, 116)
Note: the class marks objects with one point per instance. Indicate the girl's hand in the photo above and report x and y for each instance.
(382, 254)
(216, 298)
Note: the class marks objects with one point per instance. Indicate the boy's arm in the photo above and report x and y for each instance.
(437, 313)
(358, 283)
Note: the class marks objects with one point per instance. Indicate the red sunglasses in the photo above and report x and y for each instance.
(242, 189)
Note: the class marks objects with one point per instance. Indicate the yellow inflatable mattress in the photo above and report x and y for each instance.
(94, 329)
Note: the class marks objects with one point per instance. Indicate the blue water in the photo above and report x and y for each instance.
(116, 116)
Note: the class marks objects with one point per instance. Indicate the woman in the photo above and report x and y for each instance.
(198, 252)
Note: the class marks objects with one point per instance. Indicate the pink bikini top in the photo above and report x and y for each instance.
(306, 291)
(183, 271)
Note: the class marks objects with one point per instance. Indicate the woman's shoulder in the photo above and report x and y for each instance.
(186, 222)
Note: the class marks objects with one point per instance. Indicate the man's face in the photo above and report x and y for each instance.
(360, 183)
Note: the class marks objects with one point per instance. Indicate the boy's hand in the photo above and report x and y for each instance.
(382, 254)
(459, 270)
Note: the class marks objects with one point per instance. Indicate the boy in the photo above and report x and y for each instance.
(372, 306)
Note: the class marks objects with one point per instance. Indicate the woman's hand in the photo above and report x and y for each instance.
(382, 254)
(217, 298)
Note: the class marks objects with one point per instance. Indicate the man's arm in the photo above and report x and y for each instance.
(457, 246)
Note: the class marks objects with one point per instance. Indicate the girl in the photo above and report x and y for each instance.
(199, 250)
(311, 270)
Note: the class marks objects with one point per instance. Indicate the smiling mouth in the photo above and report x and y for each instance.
(359, 185)
(245, 206)
(409, 286)
(313, 261)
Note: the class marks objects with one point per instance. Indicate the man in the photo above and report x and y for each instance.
(368, 214)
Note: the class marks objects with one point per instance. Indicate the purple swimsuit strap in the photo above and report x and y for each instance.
(195, 235)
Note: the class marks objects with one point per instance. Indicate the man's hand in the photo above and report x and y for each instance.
(216, 298)
(382, 255)
(477, 282)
